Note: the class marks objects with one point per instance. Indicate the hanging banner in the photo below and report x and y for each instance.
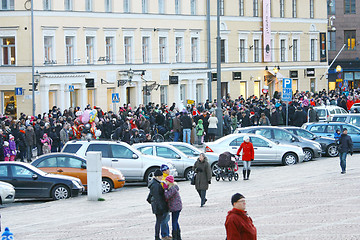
(266, 31)
(323, 47)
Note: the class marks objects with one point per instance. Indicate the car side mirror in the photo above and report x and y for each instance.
(177, 156)
(34, 176)
(83, 166)
(134, 156)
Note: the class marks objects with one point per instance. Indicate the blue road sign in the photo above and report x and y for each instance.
(71, 88)
(340, 84)
(287, 89)
(115, 97)
(19, 91)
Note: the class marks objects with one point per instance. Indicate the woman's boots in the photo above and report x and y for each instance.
(246, 174)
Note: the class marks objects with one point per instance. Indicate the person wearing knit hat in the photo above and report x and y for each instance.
(173, 199)
(238, 224)
(157, 200)
(165, 231)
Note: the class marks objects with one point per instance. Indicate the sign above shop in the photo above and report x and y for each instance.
(236, 75)
(310, 72)
(293, 74)
(173, 79)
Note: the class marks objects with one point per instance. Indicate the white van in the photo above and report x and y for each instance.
(326, 113)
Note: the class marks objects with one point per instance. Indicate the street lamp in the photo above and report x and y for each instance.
(130, 75)
(338, 68)
(276, 70)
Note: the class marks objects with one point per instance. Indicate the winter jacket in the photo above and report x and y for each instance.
(176, 124)
(264, 121)
(299, 118)
(313, 116)
(239, 226)
(12, 147)
(248, 151)
(345, 144)
(213, 121)
(186, 122)
(173, 198)
(30, 137)
(203, 174)
(6, 151)
(200, 128)
(64, 136)
(158, 202)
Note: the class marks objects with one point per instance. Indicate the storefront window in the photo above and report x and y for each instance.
(349, 76)
(9, 103)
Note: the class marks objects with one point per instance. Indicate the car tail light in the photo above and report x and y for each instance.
(207, 149)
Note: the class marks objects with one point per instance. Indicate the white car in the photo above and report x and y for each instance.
(326, 113)
(7, 193)
(192, 151)
(181, 161)
(266, 151)
(134, 165)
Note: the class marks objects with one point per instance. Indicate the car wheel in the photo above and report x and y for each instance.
(107, 185)
(215, 169)
(308, 155)
(149, 174)
(289, 159)
(188, 173)
(332, 150)
(60, 192)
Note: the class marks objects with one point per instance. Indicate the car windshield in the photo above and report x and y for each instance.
(321, 112)
(188, 151)
(305, 134)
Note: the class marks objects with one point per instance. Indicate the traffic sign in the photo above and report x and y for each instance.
(71, 88)
(190, 102)
(287, 89)
(19, 91)
(115, 97)
(339, 80)
(265, 91)
(340, 84)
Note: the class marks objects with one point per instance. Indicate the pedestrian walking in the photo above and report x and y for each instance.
(213, 121)
(247, 149)
(173, 199)
(239, 224)
(345, 147)
(203, 177)
(157, 200)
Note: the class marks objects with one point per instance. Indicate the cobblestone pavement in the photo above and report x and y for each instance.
(306, 201)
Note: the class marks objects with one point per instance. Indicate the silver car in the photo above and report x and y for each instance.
(7, 193)
(266, 151)
(134, 165)
(181, 161)
(311, 148)
(192, 151)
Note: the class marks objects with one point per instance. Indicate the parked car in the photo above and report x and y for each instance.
(192, 151)
(327, 129)
(266, 151)
(326, 113)
(348, 118)
(31, 182)
(75, 166)
(311, 149)
(355, 108)
(181, 161)
(328, 145)
(7, 193)
(134, 165)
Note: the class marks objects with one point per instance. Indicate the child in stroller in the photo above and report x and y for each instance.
(228, 167)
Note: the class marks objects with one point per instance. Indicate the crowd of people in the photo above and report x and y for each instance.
(28, 136)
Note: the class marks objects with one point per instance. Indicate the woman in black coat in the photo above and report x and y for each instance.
(157, 199)
(203, 177)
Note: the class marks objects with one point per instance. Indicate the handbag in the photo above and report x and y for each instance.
(192, 180)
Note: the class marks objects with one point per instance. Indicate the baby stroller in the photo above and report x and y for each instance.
(227, 167)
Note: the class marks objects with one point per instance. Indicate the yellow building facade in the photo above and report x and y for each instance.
(85, 50)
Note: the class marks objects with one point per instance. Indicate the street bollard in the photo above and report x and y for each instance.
(94, 182)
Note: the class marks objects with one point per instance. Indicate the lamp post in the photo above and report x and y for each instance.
(276, 70)
(219, 113)
(339, 77)
(32, 59)
(130, 75)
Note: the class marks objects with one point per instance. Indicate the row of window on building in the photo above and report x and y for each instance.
(8, 53)
(349, 7)
(127, 6)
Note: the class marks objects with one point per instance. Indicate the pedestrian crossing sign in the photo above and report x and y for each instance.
(115, 97)
(71, 88)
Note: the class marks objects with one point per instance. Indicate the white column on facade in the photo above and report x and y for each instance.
(44, 96)
(189, 95)
(62, 97)
(204, 91)
(139, 95)
(67, 97)
(177, 95)
(193, 87)
(122, 95)
(83, 96)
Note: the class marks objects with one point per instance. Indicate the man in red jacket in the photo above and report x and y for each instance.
(238, 224)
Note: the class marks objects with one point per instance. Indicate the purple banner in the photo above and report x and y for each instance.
(266, 31)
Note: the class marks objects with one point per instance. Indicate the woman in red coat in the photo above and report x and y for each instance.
(247, 156)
